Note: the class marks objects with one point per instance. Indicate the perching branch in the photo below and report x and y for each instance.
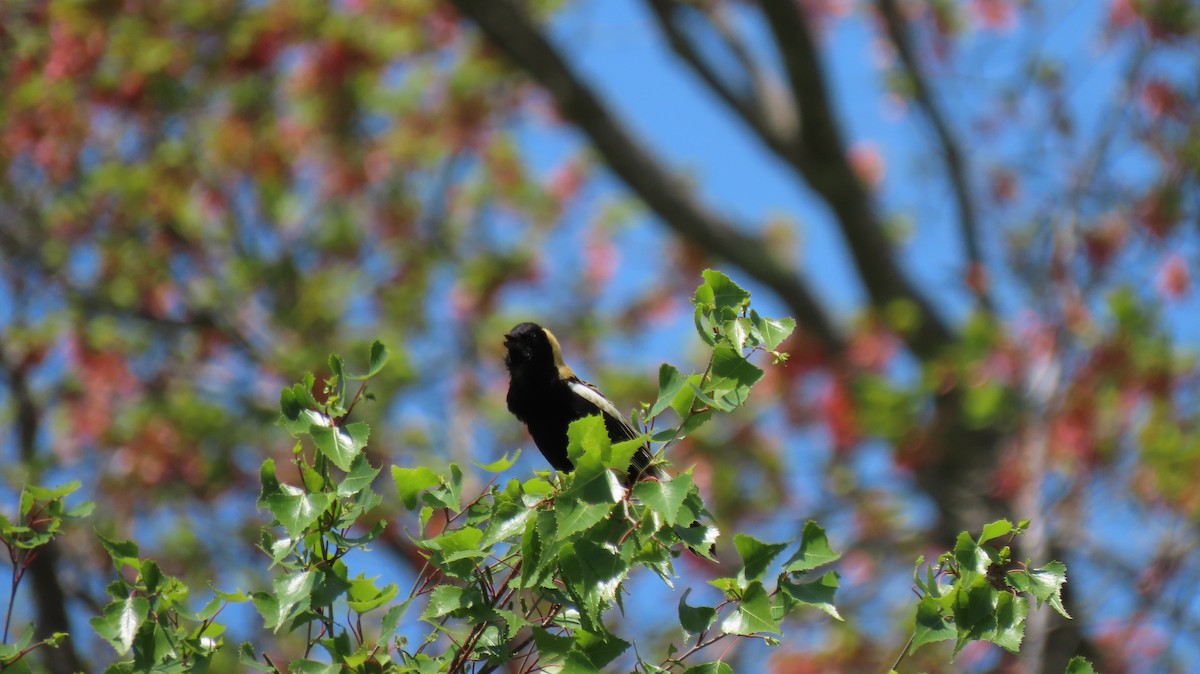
(956, 167)
(511, 29)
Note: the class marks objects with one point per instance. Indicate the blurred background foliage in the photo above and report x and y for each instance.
(201, 199)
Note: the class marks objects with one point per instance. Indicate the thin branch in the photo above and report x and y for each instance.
(763, 106)
(956, 168)
(510, 29)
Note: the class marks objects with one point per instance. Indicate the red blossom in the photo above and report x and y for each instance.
(868, 163)
(1159, 97)
(1174, 281)
(997, 15)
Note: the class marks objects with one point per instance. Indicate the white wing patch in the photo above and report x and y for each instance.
(594, 397)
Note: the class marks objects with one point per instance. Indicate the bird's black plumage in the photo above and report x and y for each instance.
(546, 395)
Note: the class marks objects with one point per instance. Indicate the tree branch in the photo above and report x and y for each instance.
(764, 105)
(956, 168)
(820, 156)
(509, 28)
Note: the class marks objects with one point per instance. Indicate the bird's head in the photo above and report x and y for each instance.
(533, 350)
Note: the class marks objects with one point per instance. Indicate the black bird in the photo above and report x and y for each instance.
(545, 394)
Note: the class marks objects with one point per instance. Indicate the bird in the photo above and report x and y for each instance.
(545, 394)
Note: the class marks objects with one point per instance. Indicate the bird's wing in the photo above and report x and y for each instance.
(589, 393)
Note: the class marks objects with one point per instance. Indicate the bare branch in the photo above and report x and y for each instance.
(509, 28)
(956, 167)
(763, 105)
(821, 158)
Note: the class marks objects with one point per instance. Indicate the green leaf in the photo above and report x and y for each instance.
(507, 523)
(818, 593)
(296, 510)
(120, 621)
(573, 516)
(379, 358)
(665, 497)
(695, 619)
(732, 374)
(247, 657)
(722, 292)
(973, 606)
(500, 465)
(770, 331)
(994, 530)
(814, 550)
(931, 624)
(1011, 611)
(670, 383)
(359, 477)
(410, 482)
(444, 600)
(599, 648)
(457, 550)
(364, 596)
(971, 560)
(1079, 665)
(1045, 583)
(753, 613)
(715, 667)
(587, 436)
(756, 556)
(50, 493)
(343, 445)
(123, 553)
(291, 594)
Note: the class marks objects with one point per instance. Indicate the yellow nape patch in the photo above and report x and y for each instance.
(564, 372)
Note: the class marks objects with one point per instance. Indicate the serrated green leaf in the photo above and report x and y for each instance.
(291, 594)
(715, 667)
(723, 291)
(296, 510)
(771, 331)
(123, 553)
(1011, 612)
(1045, 583)
(753, 613)
(665, 497)
(971, 560)
(1080, 665)
(818, 593)
(341, 445)
(247, 657)
(670, 383)
(814, 550)
(931, 625)
(573, 516)
(359, 477)
(506, 524)
(410, 482)
(444, 600)
(120, 621)
(732, 374)
(756, 556)
(500, 465)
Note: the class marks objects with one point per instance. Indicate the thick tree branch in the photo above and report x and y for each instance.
(821, 157)
(509, 28)
(956, 167)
